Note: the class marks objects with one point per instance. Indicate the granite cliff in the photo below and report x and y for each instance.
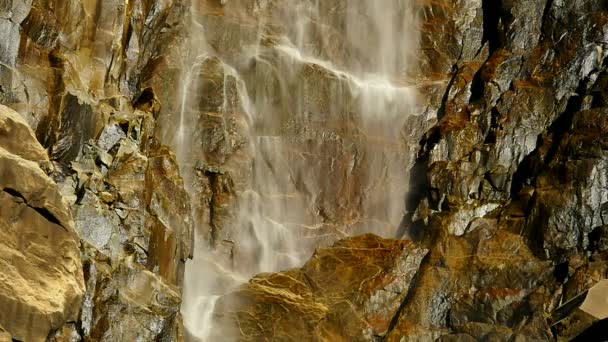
(127, 128)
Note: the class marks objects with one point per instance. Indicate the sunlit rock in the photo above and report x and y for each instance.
(170, 221)
(39, 245)
(488, 278)
(125, 302)
(475, 128)
(349, 291)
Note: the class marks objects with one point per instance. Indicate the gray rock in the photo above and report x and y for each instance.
(110, 136)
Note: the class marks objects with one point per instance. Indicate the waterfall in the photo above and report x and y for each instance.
(289, 133)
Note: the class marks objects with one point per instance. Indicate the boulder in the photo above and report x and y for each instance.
(41, 285)
(347, 292)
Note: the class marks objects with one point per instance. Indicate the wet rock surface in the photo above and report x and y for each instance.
(507, 197)
(285, 123)
(349, 291)
(507, 185)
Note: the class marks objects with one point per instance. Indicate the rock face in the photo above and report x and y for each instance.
(279, 109)
(41, 283)
(347, 292)
(507, 185)
(124, 302)
(84, 75)
(510, 180)
(505, 151)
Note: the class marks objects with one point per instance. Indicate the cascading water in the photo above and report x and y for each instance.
(289, 133)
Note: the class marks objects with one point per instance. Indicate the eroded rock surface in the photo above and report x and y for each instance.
(347, 292)
(506, 156)
(125, 302)
(508, 180)
(41, 283)
(511, 178)
(86, 75)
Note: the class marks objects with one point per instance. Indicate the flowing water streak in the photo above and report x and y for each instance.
(325, 101)
(181, 129)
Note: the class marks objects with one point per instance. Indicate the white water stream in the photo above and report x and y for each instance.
(322, 93)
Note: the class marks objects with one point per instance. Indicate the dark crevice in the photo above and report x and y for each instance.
(491, 36)
(560, 272)
(124, 126)
(146, 98)
(49, 123)
(114, 150)
(533, 231)
(77, 126)
(477, 86)
(546, 12)
(597, 332)
(563, 123)
(42, 211)
(428, 142)
(598, 100)
(488, 178)
(595, 238)
(109, 70)
(491, 135)
(419, 189)
(60, 171)
(409, 230)
(214, 178)
(523, 172)
(444, 100)
(528, 169)
(419, 186)
(212, 215)
(80, 192)
(491, 18)
(409, 296)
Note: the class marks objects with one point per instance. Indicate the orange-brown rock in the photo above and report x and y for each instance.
(41, 282)
(89, 77)
(347, 292)
(488, 278)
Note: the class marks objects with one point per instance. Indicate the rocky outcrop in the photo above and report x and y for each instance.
(485, 284)
(506, 156)
(86, 75)
(347, 292)
(507, 187)
(133, 215)
(125, 302)
(41, 283)
(511, 177)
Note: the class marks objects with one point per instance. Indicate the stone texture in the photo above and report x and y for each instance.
(265, 119)
(347, 292)
(17, 138)
(41, 283)
(506, 191)
(487, 278)
(507, 164)
(133, 216)
(514, 167)
(85, 76)
(125, 302)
